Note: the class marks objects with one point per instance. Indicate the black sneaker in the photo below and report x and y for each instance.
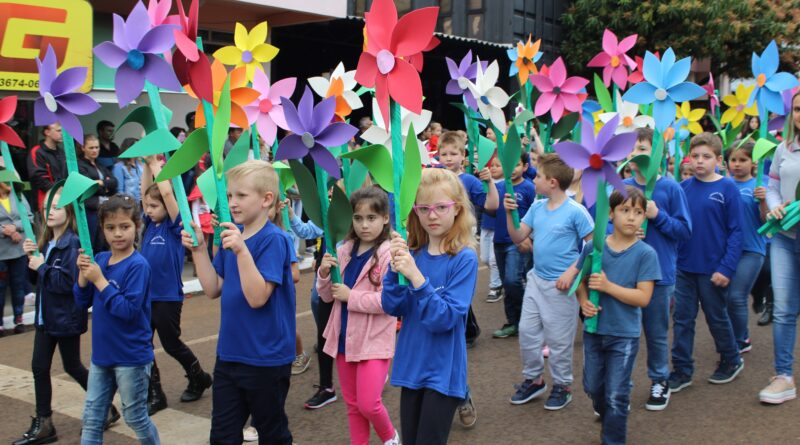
(726, 372)
(560, 397)
(746, 346)
(527, 391)
(659, 396)
(495, 295)
(678, 381)
(324, 396)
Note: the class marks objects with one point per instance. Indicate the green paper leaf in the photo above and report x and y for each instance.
(157, 142)
(763, 148)
(731, 133)
(523, 118)
(564, 126)
(378, 161)
(412, 175)
(9, 176)
(585, 271)
(285, 175)
(144, 117)
(208, 187)
(77, 188)
(222, 122)
(642, 161)
(239, 152)
(510, 155)
(340, 216)
(463, 107)
(187, 156)
(307, 187)
(363, 90)
(357, 175)
(486, 149)
(603, 96)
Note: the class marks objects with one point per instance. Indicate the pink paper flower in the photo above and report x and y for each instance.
(613, 60)
(559, 92)
(267, 111)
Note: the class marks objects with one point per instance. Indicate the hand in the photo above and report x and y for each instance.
(599, 282)
(9, 229)
(16, 237)
(760, 193)
(90, 271)
(328, 262)
(485, 175)
(404, 264)
(652, 210)
(565, 280)
(35, 262)
(397, 244)
(99, 182)
(186, 239)
(526, 246)
(29, 246)
(288, 204)
(510, 202)
(588, 308)
(341, 292)
(231, 238)
(214, 220)
(640, 233)
(778, 212)
(720, 280)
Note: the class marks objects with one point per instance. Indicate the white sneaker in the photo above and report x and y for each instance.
(780, 389)
(306, 263)
(250, 434)
(394, 440)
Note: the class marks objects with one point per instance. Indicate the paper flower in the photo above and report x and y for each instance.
(312, 132)
(158, 11)
(559, 92)
(461, 75)
(636, 75)
(675, 134)
(377, 134)
(191, 66)
(664, 84)
(589, 108)
(267, 111)
(596, 156)
(629, 120)
(523, 59)
(59, 101)
(390, 43)
(737, 106)
(135, 53)
(713, 99)
(241, 95)
(249, 50)
(614, 60)
(777, 123)
(769, 82)
(490, 98)
(685, 111)
(8, 105)
(340, 85)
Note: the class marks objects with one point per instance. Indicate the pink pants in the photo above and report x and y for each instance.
(362, 384)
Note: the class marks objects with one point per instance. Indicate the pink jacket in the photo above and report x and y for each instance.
(370, 331)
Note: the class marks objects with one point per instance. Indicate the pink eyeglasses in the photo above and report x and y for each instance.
(440, 208)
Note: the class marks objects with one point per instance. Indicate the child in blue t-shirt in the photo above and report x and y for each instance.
(625, 285)
(754, 246)
(253, 275)
(706, 265)
(487, 241)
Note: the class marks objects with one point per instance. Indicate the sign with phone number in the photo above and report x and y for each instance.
(28, 27)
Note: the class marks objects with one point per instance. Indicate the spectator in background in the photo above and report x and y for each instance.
(108, 149)
(363, 125)
(47, 163)
(89, 167)
(234, 133)
(189, 119)
(128, 172)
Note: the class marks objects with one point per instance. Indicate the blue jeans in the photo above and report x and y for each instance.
(608, 364)
(740, 287)
(15, 273)
(655, 321)
(510, 265)
(691, 289)
(786, 288)
(132, 383)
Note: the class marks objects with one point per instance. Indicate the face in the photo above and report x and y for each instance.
(246, 203)
(451, 157)
(544, 185)
(641, 148)
(234, 134)
(740, 165)
(4, 188)
(496, 168)
(54, 132)
(154, 209)
(627, 218)
(704, 161)
(671, 163)
(120, 230)
(754, 123)
(107, 132)
(490, 135)
(91, 149)
(438, 221)
(796, 112)
(534, 155)
(56, 217)
(517, 172)
(367, 223)
(687, 171)
(436, 130)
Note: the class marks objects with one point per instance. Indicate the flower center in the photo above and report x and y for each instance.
(556, 90)
(596, 161)
(669, 134)
(660, 94)
(50, 102)
(627, 121)
(247, 56)
(761, 79)
(265, 106)
(385, 61)
(739, 108)
(526, 61)
(615, 61)
(135, 59)
(485, 100)
(463, 83)
(308, 140)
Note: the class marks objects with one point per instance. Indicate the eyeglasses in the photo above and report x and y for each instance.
(440, 208)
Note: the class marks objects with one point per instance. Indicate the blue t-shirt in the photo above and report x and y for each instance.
(431, 352)
(530, 172)
(121, 333)
(751, 219)
(487, 220)
(351, 273)
(633, 265)
(670, 228)
(557, 236)
(716, 241)
(525, 193)
(263, 336)
(474, 189)
(163, 250)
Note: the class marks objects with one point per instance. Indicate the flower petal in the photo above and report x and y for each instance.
(497, 117)
(47, 70)
(574, 84)
(228, 55)
(137, 25)
(381, 21)
(70, 125)
(678, 73)
(293, 122)
(160, 73)
(68, 81)
(291, 147)
(663, 113)
(490, 76)
(781, 81)
(119, 38)
(336, 134)
(452, 68)
(544, 103)
(130, 84)
(541, 82)
(264, 52)
(413, 31)
(558, 72)
(240, 36)
(600, 60)
(685, 91)
(611, 176)
(305, 110)
(627, 43)
(320, 85)
(41, 115)
(610, 42)
(770, 59)
(322, 115)
(266, 128)
(641, 93)
(405, 86)
(589, 185)
(158, 40)
(651, 69)
(557, 110)
(574, 155)
(618, 147)
(325, 159)
(283, 88)
(367, 70)
(497, 97)
(78, 103)
(257, 36)
(110, 54)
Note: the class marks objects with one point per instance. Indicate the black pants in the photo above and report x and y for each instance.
(426, 416)
(240, 391)
(165, 319)
(44, 346)
(762, 288)
(325, 361)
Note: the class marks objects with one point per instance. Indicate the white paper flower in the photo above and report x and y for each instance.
(490, 98)
(346, 99)
(377, 133)
(628, 119)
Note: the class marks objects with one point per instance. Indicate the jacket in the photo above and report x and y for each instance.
(370, 331)
(45, 168)
(108, 188)
(55, 303)
(9, 249)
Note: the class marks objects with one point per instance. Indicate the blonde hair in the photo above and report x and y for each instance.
(262, 175)
(462, 233)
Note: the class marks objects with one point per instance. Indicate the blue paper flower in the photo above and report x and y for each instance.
(769, 82)
(664, 84)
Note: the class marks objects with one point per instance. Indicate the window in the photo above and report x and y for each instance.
(361, 6)
(403, 6)
(445, 7)
(445, 22)
(475, 19)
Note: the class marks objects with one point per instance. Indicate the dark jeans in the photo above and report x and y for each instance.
(426, 416)
(240, 391)
(98, 239)
(44, 346)
(608, 363)
(166, 320)
(655, 321)
(510, 265)
(14, 272)
(762, 289)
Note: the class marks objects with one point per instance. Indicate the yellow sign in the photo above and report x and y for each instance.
(27, 27)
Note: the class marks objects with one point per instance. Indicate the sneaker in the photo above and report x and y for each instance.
(726, 372)
(495, 295)
(527, 391)
(306, 264)
(250, 434)
(678, 381)
(300, 363)
(780, 389)
(466, 413)
(747, 346)
(324, 396)
(659, 396)
(546, 351)
(508, 330)
(394, 440)
(30, 299)
(560, 397)
(19, 328)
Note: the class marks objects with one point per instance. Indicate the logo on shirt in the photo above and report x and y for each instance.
(439, 288)
(746, 192)
(158, 240)
(717, 196)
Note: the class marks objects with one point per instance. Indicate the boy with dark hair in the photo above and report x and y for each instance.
(108, 149)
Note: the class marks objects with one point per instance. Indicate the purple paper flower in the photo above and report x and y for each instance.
(461, 75)
(136, 54)
(777, 123)
(59, 101)
(312, 132)
(596, 155)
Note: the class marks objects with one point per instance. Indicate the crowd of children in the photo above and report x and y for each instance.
(693, 245)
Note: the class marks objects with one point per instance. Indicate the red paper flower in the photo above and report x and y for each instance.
(191, 65)
(7, 107)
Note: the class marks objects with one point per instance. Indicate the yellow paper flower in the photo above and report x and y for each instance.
(250, 49)
(693, 116)
(737, 106)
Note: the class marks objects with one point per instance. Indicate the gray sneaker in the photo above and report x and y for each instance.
(466, 413)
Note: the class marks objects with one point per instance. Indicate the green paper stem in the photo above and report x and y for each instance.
(80, 211)
(598, 242)
(346, 170)
(254, 141)
(614, 92)
(548, 146)
(397, 172)
(506, 174)
(16, 199)
(322, 191)
(763, 119)
(651, 175)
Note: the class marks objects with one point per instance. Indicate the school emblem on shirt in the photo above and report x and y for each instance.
(158, 240)
(717, 196)
(748, 192)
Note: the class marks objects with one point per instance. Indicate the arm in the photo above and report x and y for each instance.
(83, 295)
(61, 274)
(774, 198)
(39, 177)
(165, 188)
(210, 281)
(394, 298)
(324, 278)
(492, 201)
(441, 310)
(255, 288)
(675, 222)
(517, 236)
(126, 303)
(305, 230)
(733, 247)
(639, 296)
(147, 175)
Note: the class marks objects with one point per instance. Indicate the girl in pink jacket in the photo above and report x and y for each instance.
(359, 335)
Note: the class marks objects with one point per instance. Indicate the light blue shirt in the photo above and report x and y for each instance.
(129, 182)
